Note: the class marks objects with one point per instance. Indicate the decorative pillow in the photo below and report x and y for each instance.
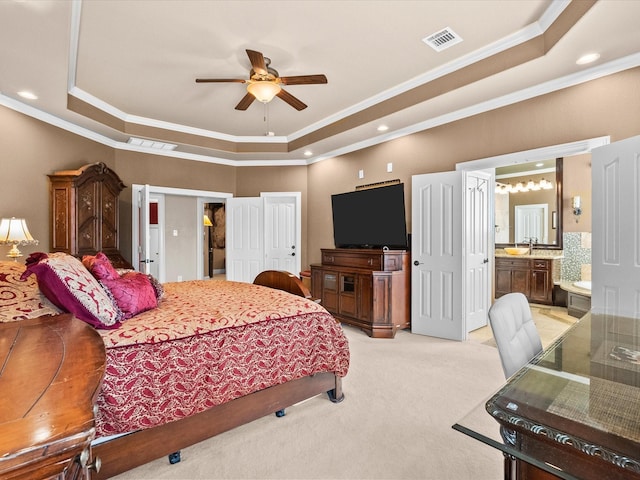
(69, 285)
(21, 299)
(100, 266)
(132, 292)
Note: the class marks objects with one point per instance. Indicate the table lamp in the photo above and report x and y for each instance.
(14, 231)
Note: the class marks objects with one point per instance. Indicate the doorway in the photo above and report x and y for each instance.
(214, 258)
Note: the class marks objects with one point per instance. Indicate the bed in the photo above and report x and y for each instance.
(210, 356)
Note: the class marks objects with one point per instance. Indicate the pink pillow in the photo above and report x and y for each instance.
(132, 292)
(69, 285)
(100, 266)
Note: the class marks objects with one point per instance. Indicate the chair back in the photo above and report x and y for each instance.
(514, 331)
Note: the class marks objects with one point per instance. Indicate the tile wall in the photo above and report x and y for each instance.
(576, 264)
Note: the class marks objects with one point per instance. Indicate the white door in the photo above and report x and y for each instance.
(263, 234)
(477, 224)
(143, 230)
(616, 228)
(244, 238)
(436, 250)
(531, 222)
(281, 219)
(450, 280)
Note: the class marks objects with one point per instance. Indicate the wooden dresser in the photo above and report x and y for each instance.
(52, 369)
(85, 212)
(366, 288)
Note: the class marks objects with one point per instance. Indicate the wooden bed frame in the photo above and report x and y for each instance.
(132, 450)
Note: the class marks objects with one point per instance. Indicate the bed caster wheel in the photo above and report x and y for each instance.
(333, 397)
(174, 457)
(280, 413)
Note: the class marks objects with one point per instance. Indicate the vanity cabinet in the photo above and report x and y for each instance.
(512, 275)
(85, 212)
(365, 288)
(541, 281)
(530, 276)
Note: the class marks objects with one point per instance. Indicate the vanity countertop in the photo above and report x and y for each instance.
(539, 254)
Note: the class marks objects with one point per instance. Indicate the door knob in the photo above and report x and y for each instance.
(416, 263)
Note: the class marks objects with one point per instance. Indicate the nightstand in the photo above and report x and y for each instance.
(52, 369)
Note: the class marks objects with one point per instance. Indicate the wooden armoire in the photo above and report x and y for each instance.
(85, 212)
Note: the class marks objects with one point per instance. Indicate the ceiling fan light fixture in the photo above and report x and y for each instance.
(264, 90)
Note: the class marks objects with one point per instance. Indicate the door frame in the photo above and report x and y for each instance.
(204, 196)
(489, 164)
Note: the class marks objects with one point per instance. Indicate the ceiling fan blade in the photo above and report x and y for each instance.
(218, 80)
(291, 100)
(257, 62)
(304, 80)
(246, 101)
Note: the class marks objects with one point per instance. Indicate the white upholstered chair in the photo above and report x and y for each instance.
(514, 331)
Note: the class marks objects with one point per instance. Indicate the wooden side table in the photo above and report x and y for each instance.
(51, 370)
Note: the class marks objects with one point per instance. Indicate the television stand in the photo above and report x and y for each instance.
(366, 288)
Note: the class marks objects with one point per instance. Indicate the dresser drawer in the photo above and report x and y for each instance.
(512, 262)
(371, 261)
(538, 264)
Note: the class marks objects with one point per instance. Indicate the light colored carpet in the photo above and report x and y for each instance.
(402, 397)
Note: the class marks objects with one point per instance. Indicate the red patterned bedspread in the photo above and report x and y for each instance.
(210, 342)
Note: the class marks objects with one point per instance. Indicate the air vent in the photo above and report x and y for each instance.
(139, 142)
(443, 39)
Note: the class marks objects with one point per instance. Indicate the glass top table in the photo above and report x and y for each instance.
(574, 410)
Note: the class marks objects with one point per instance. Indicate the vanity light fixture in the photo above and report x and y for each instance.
(543, 184)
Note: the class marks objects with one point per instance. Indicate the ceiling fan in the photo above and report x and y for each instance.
(264, 83)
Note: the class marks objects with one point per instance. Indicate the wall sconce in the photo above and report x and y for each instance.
(14, 231)
(577, 207)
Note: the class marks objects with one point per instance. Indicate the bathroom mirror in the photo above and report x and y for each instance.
(528, 203)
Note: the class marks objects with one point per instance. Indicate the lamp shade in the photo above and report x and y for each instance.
(14, 231)
(263, 90)
(207, 221)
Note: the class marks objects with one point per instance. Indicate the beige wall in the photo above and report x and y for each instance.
(577, 181)
(29, 150)
(608, 106)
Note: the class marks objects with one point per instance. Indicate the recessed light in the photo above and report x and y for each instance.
(539, 164)
(383, 128)
(28, 95)
(588, 58)
(308, 153)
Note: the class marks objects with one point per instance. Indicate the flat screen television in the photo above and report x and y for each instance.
(372, 218)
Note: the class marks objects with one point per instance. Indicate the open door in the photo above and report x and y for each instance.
(449, 248)
(616, 229)
(143, 236)
(436, 251)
